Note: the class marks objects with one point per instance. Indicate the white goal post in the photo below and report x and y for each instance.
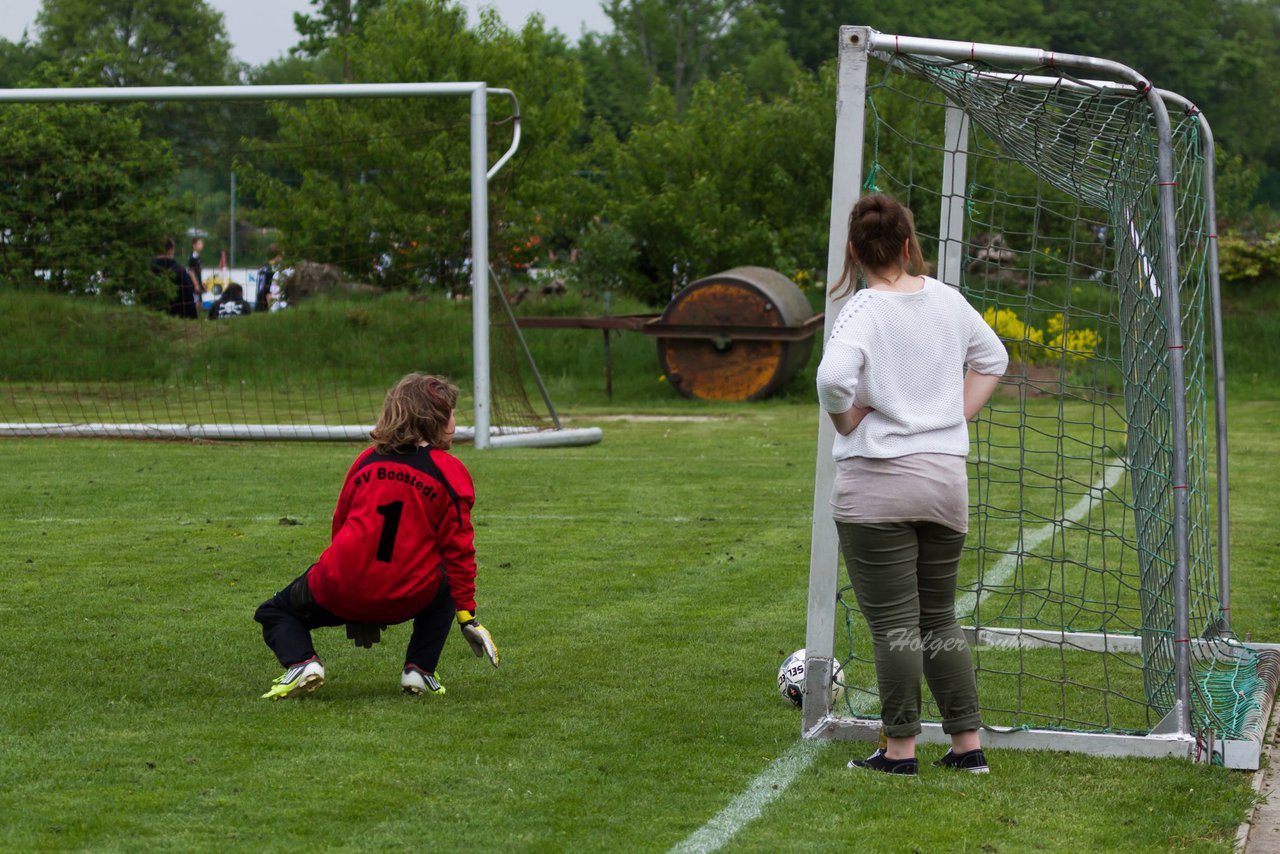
(484, 433)
(1196, 647)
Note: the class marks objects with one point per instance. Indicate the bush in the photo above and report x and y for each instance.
(1244, 260)
(606, 258)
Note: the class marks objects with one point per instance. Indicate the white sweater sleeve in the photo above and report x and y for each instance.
(838, 375)
(986, 353)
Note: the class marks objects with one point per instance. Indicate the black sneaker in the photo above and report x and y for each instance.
(974, 761)
(878, 761)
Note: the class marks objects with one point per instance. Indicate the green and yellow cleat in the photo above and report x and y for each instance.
(415, 680)
(301, 678)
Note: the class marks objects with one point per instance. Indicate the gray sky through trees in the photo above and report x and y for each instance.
(263, 29)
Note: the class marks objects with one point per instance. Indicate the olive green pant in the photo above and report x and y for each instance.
(904, 578)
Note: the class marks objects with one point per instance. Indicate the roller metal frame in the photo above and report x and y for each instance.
(485, 434)
(1172, 736)
(651, 325)
(671, 326)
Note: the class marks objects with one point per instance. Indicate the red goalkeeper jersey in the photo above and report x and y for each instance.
(401, 528)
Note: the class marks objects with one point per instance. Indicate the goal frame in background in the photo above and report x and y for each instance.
(1174, 735)
(484, 433)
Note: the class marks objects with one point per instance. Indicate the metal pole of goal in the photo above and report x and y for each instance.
(480, 262)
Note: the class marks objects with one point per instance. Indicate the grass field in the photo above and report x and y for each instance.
(642, 607)
(643, 593)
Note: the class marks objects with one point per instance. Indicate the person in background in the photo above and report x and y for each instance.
(266, 279)
(402, 549)
(193, 264)
(909, 362)
(183, 303)
(231, 304)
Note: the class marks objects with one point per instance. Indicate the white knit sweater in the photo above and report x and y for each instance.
(904, 355)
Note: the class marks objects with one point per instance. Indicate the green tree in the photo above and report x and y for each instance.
(84, 200)
(17, 61)
(676, 44)
(332, 28)
(756, 47)
(675, 41)
(1235, 185)
(137, 42)
(144, 43)
(733, 180)
(383, 188)
(619, 87)
(1238, 85)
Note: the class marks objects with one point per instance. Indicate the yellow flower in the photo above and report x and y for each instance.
(1028, 343)
(1079, 344)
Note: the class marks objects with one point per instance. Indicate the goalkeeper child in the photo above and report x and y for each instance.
(402, 549)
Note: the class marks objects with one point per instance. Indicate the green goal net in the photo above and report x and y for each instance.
(365, 203)
(1090, 580)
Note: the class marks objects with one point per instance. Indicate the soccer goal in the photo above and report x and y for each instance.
(315, 371)
(1072, 203)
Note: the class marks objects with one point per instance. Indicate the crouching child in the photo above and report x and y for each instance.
(402, 549)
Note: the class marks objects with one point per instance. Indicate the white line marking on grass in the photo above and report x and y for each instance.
(48, 520)
(764, 789)
(1008, 563)
(778, 776)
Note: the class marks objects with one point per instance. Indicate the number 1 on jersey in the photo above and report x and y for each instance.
(390, 523)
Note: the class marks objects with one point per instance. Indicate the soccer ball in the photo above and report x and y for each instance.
(791, 680)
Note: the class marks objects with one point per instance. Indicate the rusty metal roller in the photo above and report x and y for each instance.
(736, 335)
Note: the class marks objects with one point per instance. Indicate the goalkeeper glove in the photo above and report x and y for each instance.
(478, 636)
(364, 634)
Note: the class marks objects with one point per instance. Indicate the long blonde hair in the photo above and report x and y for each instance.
(416, 409)
(879, 226)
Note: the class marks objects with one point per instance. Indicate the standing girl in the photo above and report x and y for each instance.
(908, 364)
